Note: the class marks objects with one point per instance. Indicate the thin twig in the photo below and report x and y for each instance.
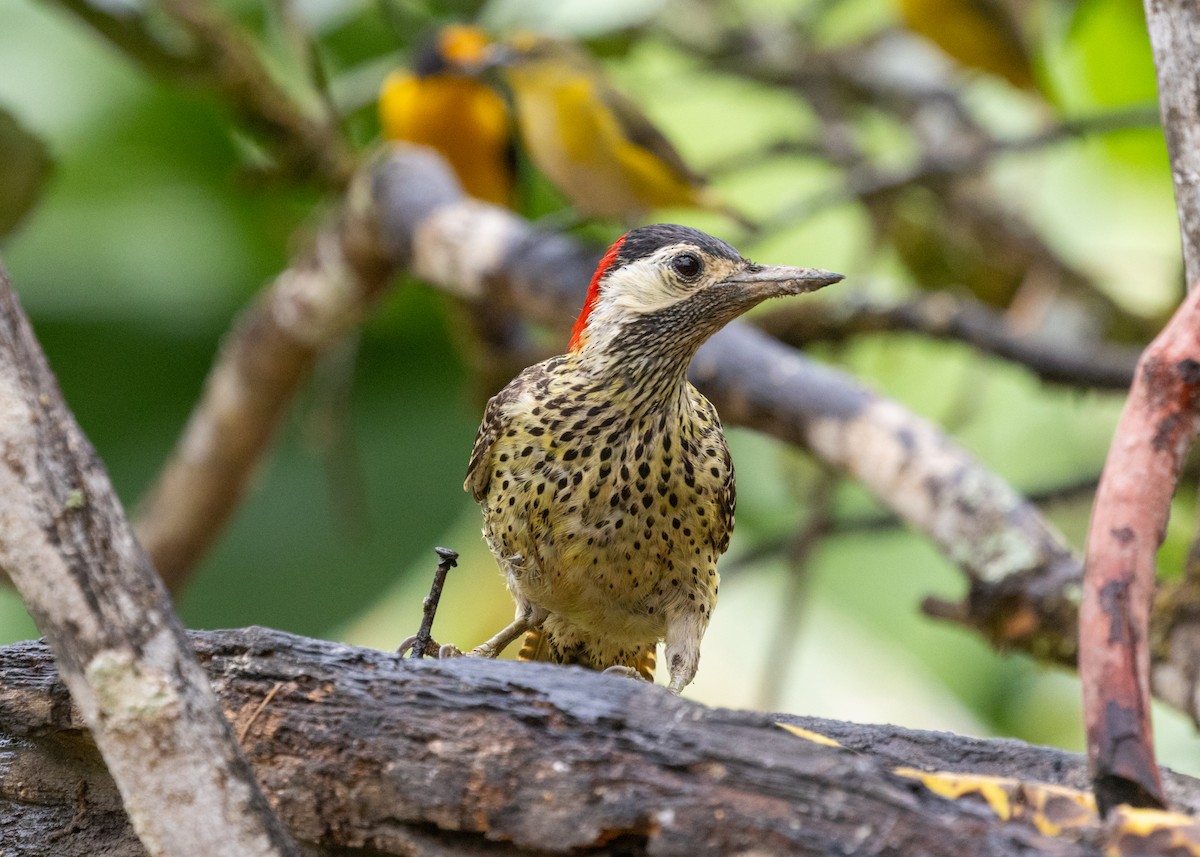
(422, 643)
(960, 318)
(199, 46)
(266, 700)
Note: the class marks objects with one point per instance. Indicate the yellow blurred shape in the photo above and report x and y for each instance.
(442, 103)
(594, 144)
(1051, 809)
(980, 34)
(809, 735)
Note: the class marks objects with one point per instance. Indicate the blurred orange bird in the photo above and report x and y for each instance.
(442, 103)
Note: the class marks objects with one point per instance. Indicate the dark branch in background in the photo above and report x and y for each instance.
(1174, 27)
(68, 549)
(962, 319)
(777, 546)
(191, 42)
(470, 757)
(938, 166)
(942, 165)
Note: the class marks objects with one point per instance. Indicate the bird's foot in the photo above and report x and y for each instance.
(628, 672)
(485, 650)
(433, 649)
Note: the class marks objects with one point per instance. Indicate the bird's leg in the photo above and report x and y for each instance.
(528, 618)
(684, 634)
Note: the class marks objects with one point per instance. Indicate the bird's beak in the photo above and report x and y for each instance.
(497, 56)
(768, 281)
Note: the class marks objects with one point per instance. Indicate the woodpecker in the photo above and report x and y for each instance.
(606, 486)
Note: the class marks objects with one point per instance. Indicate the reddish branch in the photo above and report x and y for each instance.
(1159, 423)
(66, 546)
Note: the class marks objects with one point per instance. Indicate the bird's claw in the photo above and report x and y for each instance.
(628, 672)
(432, 649)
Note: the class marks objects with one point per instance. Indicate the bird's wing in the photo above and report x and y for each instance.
(479, 471)
(640, 131)
(728, 503)
(724, 501)
(496, 420)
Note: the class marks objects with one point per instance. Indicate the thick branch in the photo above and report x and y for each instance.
(87, 583)
(362, 750)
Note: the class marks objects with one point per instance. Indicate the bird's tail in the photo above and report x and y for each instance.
(540, 646)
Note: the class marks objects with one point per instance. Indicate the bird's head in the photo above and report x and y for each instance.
(456, 49)
(667, 288)
(534, 55)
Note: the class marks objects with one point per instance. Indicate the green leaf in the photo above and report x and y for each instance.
(24, 168)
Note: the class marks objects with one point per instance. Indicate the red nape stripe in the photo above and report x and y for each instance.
(593, 293)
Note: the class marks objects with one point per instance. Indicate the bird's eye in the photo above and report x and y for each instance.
(686, 265)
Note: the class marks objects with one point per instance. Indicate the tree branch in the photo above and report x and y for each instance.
(958, 318)
(1174, 27)
(87, 583)
(196, 45)
(1129, 520)
(362, 750)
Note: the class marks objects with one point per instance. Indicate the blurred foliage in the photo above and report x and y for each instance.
(153, 233)
(24, 169)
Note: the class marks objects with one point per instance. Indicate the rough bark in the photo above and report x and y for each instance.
(66, 546)
(361, 750)
(1129, 520)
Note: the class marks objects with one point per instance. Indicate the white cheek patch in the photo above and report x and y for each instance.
(642, 288)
